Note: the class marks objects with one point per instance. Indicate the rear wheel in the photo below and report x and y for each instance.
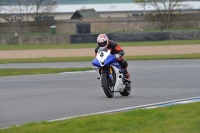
(107, 85)
(127, 90)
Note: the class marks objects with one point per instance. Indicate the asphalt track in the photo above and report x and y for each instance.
(36, 98)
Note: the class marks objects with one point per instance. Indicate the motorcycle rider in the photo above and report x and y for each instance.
(116, 49)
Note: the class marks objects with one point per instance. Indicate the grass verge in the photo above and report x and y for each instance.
(88, 58)
(93, 45)
(172, 119)
(164, 57)
(16, 71)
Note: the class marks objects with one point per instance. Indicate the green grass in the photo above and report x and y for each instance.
(31, 71)
(164, 57)
(93, 45)
(14, 71)
(172, 119)
(90, 58)
(39, 60)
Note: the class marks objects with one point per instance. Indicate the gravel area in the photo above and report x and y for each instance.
(129, 51)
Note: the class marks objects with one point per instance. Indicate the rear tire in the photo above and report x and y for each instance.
(108, 89)
(127, 90)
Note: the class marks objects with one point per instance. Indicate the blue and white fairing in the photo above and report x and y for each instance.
(104, 61)
(103, 58)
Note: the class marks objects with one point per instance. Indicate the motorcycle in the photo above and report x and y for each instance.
(110, 73)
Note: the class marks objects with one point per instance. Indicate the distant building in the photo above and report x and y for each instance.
(67, 9)
(85, 13)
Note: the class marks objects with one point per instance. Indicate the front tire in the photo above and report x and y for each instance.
(107, 87)
(127, 90)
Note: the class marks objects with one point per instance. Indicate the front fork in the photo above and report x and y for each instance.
(109, 70)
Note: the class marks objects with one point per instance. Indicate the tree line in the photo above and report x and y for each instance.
(23, 8)
(164, 9)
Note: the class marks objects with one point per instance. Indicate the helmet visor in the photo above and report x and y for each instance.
(102, 44)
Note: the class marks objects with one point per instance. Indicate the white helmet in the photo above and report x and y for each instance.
(102, 40)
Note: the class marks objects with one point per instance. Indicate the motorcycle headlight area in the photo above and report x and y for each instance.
(96, 63)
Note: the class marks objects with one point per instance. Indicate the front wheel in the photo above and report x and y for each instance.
(107, 85)
(127, 90)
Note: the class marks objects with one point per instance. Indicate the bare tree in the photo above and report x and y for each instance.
(24, 9)
(164, 8)
(43, 7)
(1, 3)
(1, 7)
(36, 7)
(6, 9)
(197, 20)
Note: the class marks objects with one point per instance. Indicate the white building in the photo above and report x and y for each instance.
(64, 12)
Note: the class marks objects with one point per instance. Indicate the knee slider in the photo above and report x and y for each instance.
(124, 64)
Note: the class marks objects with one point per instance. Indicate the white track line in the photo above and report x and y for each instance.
(179, 101)
(77, 72)
(148, 106)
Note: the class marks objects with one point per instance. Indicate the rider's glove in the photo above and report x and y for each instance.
(117, 56)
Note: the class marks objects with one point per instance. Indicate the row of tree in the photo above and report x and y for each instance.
(21, 10)
(165, 9)
(33, 8)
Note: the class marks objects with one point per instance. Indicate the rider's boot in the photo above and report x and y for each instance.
(127, 76)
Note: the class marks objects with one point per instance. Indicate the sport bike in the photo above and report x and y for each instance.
(110, 73)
